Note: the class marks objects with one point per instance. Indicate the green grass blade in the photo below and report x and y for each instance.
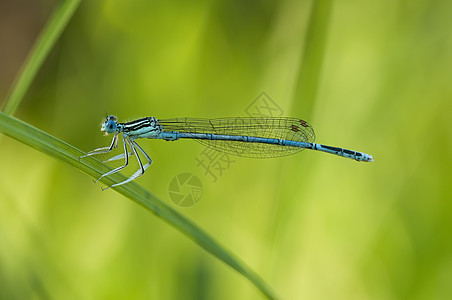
(312, 56)
(39, 52)
(62, 151)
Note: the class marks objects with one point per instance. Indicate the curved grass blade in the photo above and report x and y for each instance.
(62, 151)
(41, 49)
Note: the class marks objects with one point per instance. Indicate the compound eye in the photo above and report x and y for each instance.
(109, 126)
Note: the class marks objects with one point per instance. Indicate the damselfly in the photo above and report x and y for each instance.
(247, 137)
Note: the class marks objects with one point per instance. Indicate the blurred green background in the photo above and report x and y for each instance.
(313, 225)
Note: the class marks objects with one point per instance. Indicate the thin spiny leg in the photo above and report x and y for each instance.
(114, 144)
(126, 155)
(140, 171)
(142, 151)
(117, 157)
(142, 168)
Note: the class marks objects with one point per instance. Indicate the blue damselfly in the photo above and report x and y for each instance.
(241, 136)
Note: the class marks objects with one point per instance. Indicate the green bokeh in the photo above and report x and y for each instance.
(314, 226)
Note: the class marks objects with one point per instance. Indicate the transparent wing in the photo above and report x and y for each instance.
(277, 128)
